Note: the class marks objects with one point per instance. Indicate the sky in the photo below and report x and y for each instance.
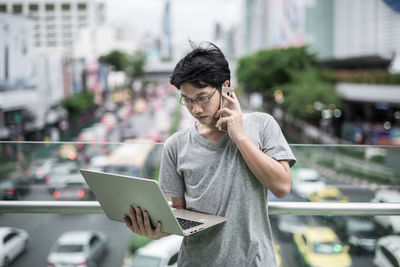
(194, 19)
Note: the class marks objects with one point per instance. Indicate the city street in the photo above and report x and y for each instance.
(154, 123)
(44, 229)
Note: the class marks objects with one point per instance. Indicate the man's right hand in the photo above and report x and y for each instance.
(139, 223)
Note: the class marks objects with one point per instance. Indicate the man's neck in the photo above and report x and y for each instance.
(212, 134)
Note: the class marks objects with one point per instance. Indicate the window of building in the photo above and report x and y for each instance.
(3, 8)
(82, 6)
(50, 18)
(33, 7)
(17, 9)
(49, 7)
(50, 26)
(51, 43)
(65, 7)
(51, 35)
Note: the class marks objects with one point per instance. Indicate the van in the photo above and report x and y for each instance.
(387, 253)
(390, 223)
(158, 253)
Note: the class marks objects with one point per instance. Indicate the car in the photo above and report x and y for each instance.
(288, 224)
(13, 242)
(390, 223)
(158, 253)
(320, 246)
(60, 172)
(72, 188)
(14, 188)
(41, 168)
(387, 253)
(327, 194)
(306, 181)
(278, 257)
(360, 232)
(78, 248)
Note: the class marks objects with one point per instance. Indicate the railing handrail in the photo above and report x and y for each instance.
(299, 208)
(161, 143)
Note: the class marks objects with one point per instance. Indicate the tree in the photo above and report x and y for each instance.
(132, 65)
(265, 69)
(120, 60)
(136, 64)
(306, 88)
(294, 71)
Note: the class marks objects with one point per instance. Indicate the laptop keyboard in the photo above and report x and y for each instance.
(186, 224)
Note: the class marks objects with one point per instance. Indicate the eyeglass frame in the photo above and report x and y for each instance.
(192, 101)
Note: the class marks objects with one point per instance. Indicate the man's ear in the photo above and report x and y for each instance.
(226, 83)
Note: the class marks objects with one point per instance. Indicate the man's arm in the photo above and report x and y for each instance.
(178, 203)
(275, 175)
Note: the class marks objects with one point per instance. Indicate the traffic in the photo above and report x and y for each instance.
(52, 239)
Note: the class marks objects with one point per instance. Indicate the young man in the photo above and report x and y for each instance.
(221, 173)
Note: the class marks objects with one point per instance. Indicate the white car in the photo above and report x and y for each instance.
(13, 242)
(390, 223)
(387, 253)
(78, 248)
(158, 253)
(306, 181)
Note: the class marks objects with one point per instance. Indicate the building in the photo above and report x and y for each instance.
(56, 23)
(271, 24)
(93, 43)
(319, 27)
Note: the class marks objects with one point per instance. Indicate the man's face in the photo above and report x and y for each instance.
(204, 113)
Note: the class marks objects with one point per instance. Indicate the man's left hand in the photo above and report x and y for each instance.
(234, 118)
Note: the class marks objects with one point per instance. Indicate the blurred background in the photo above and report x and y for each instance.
(89, 79)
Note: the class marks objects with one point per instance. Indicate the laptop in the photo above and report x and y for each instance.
(116, 193)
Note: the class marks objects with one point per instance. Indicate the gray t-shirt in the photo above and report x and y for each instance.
(214, 179)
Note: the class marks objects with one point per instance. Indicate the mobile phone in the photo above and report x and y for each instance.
(227, 90)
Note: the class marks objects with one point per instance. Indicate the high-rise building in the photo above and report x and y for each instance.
(367, 27)
(56, 23)
(166, 38)
(272, 24)
(319, 27)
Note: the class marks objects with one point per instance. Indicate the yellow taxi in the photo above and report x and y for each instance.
(278, 255)
(319, 246)
(327, 194)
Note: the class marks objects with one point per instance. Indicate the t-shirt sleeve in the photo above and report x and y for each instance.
(274, 143)
(171, 182)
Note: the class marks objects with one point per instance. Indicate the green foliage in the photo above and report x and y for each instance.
(78, 103)
(137, 241)
(176, 119)
(265, 69)
(369, 77)
(306, 88)
(295, 72)
(120, 60)
(132, 65)
(136, 64)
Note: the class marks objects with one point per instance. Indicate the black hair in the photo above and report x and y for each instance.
(203, 66)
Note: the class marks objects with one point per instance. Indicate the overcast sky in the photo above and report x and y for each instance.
(194, 19)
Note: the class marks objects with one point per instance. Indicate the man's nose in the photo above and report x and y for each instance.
(196, 108)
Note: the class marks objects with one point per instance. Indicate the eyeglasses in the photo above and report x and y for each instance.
(200, 100)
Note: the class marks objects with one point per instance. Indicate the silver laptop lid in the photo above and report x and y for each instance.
(116, 193)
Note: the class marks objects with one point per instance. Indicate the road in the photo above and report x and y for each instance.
(355, 194)
(44, 229)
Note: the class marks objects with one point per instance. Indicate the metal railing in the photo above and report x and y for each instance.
(300, 208)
